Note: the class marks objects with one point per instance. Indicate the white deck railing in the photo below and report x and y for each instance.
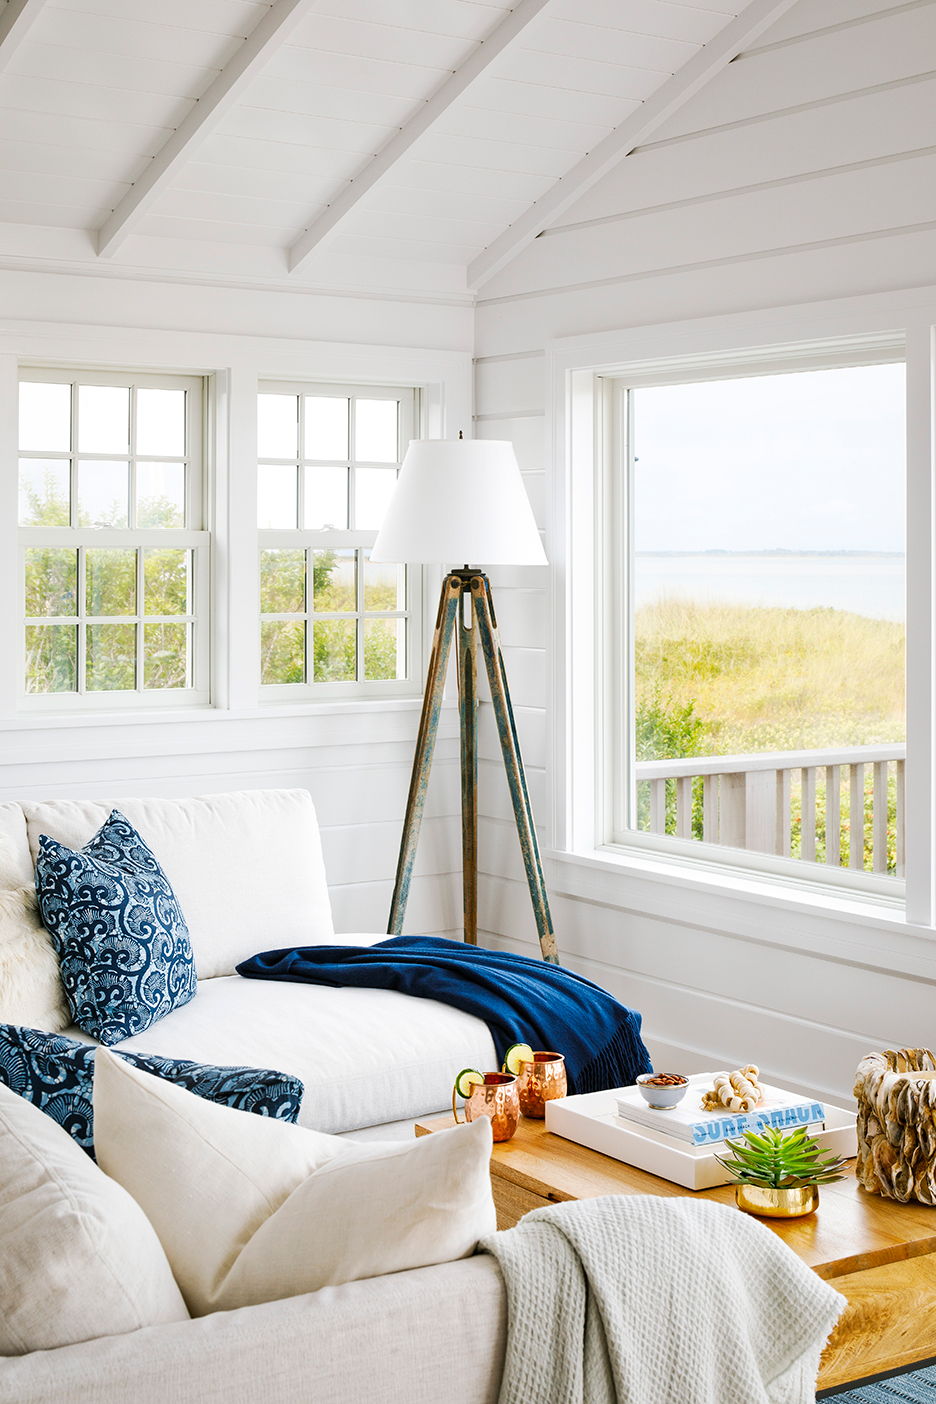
(748, 802)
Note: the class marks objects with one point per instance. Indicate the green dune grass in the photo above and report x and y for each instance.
(768, 679)
(726, 679)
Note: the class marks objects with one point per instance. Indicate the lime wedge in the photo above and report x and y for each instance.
(466, 1079)
(516, 1054)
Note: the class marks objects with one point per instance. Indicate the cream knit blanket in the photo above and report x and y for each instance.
(643, 1300)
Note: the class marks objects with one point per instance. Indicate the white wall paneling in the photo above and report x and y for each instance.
(521, 618)
(702, 1030)
(803, 21)
(658, 101)
(847, 204)
(791, 146)
(898, 46)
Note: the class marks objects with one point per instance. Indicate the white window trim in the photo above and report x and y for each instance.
(191, 537)
(412, 425)
(580, 863)
(616, 725)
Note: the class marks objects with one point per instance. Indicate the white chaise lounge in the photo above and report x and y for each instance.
(247, 870)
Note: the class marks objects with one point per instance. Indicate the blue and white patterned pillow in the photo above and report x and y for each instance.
(56, 1074)
(123, 944)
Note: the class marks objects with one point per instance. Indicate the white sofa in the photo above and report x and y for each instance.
(248, 873)
(436, 1335)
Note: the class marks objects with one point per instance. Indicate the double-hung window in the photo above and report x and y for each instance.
(755, 589)
(332, 623)
(114, 563)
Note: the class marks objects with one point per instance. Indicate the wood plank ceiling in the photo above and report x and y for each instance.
(227, 134)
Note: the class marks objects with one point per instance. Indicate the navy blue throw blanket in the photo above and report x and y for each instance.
(521, 1000)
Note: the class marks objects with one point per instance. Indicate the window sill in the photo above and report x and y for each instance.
(208, 714)
(822, 924)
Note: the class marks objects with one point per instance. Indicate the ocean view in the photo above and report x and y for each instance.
(871, 584)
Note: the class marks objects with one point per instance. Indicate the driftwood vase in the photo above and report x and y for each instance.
(896, 1095)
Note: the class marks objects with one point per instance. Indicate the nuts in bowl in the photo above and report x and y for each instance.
(662, 1090)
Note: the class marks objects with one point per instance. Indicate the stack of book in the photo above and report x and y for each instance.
(688, 1123)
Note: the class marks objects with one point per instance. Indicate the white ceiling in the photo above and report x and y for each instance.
(92, 91)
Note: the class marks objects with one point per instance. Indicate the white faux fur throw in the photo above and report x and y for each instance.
(643, 1300)
(31, 990)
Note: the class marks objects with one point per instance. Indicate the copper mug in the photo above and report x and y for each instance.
(540, 1082)
(497, 1098)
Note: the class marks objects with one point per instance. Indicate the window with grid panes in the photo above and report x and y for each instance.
(331, 621)
(114, 561)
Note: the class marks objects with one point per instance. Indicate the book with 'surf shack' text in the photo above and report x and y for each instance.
(784, 1111)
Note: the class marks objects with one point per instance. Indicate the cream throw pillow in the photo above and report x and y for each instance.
(79, 1258)
(249, 1209)
(31, 990)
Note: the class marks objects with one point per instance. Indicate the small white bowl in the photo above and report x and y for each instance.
(662, 1098)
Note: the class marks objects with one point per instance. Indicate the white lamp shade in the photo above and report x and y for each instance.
(460, 501)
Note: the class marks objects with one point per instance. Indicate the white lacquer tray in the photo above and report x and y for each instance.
(592, 1120)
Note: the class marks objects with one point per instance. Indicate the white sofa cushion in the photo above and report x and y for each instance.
(251, 1210)
(16, 864)
(246, 867)
(30, 988)
(364, 1056)
(80, 1259)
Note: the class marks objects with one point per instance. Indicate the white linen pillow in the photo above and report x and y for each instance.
(31, 989)
(251, 1210)
(80, 1259)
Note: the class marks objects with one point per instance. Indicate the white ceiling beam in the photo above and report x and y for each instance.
(228, 88)
(327, 225)
(756, 16)
(16, 19)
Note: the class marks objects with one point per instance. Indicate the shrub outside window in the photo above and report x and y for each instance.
(113, 558)
(331, 622)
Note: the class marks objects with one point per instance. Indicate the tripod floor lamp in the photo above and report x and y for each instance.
(464, 500)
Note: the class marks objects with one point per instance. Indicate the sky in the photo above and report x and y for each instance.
(810, 461)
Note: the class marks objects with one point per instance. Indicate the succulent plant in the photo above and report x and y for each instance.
(775, 1160)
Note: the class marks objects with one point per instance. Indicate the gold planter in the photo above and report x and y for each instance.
(777, 1203)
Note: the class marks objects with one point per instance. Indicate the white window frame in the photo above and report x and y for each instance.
(582, 862)
(192, 538)
(616, 755)
(409, 426)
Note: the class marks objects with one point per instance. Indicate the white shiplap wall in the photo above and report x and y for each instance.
(354, 758)
(803, 172)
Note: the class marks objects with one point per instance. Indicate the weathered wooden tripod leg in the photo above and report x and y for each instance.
(510, 746)
(449, 602)
(468, 718)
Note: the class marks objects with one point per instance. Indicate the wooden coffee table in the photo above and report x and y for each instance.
(879, 1254)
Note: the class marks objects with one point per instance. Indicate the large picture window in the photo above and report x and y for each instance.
(331, 622)
(759, 607)
(114, 560)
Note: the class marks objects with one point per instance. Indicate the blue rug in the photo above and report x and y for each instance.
(917, 1386)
